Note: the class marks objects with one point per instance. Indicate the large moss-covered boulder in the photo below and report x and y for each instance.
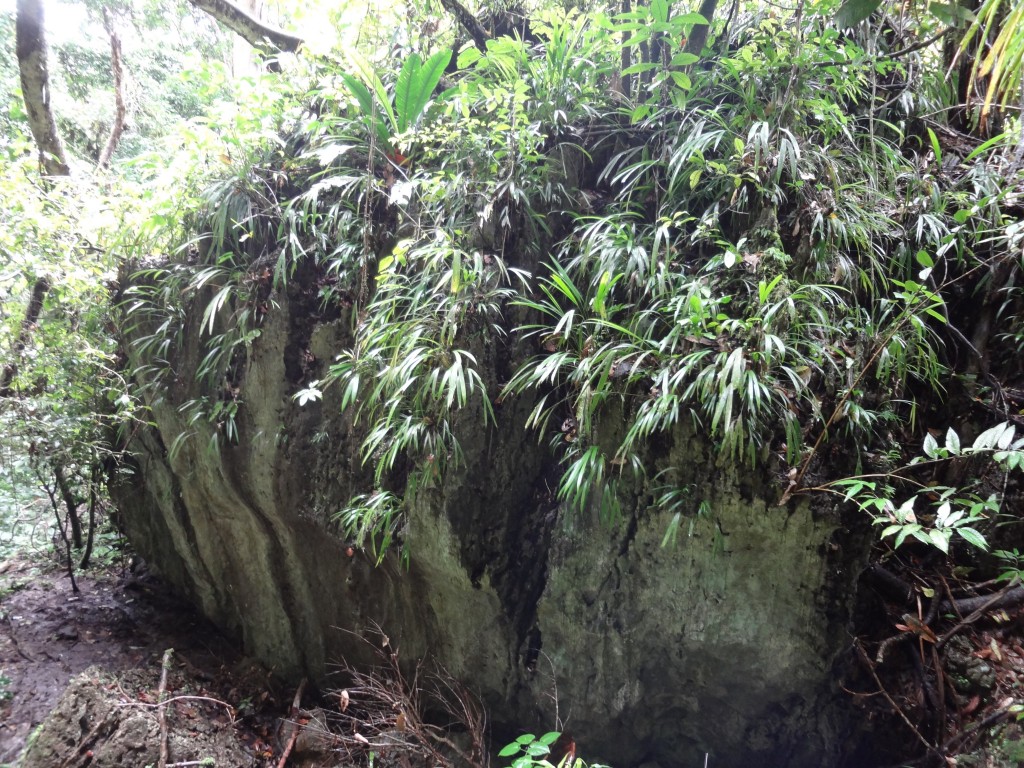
(720, 643)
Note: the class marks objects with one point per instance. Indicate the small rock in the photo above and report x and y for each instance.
(313, 742)
(135, 732)
(67, 632)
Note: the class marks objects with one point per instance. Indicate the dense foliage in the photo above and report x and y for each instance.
(774, 242)
(798, 237)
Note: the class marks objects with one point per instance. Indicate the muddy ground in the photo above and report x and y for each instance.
(93, 661)
(110, 639)
(82, 684)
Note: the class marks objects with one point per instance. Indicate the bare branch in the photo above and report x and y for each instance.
(264, 37)
(469, 22)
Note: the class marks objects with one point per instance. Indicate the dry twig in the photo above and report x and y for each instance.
(896, 707)
(162, 709)
(293, 714)
(148, 705)
(383, 709)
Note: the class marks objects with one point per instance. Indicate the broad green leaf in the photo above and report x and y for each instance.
(367, 106)
(987, 439)
(935, 146)
(382, 111)
(690, 18)
(468, 56)
(405, 97)
(684, 59)
(905, 531)
(456, 271)
(940, 539)
(641, 67)
(360, 91)
(853, 12)
(952, 442)
(972, 537)
(994, 141)
(427, 78)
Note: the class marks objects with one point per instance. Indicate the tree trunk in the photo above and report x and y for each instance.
(67, 494)
(469, 22)
(91, 536)
(627, 80)
(699, 33)
(28, 324)
(264, 37)
(35, 87)
(119, 109)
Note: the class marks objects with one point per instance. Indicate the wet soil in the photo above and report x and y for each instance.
(82, 684)
(116, 630)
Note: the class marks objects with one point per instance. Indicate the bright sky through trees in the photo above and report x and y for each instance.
(320, 23)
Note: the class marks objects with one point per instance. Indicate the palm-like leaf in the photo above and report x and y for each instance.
(416, 82)
(1003, 64)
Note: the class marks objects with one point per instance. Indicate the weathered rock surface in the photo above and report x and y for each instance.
(93, 725)
(723, 644)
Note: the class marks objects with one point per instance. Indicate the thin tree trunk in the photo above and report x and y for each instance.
(62, 528)
(119, 108)
(35, 87)
(68, 495)
(28, 324)
(699, 33)
(91, 536)
(627, 80)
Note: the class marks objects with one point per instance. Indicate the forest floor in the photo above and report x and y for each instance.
(108, 642)
(80, 683)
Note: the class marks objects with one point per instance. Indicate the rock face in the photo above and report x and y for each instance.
(722, 644)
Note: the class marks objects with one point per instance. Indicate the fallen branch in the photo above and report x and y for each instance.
(896, 707)
(1007, 597)
(160, 694)
(1011, 595)
(293, 714)
(957, 742)
(896, 587)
